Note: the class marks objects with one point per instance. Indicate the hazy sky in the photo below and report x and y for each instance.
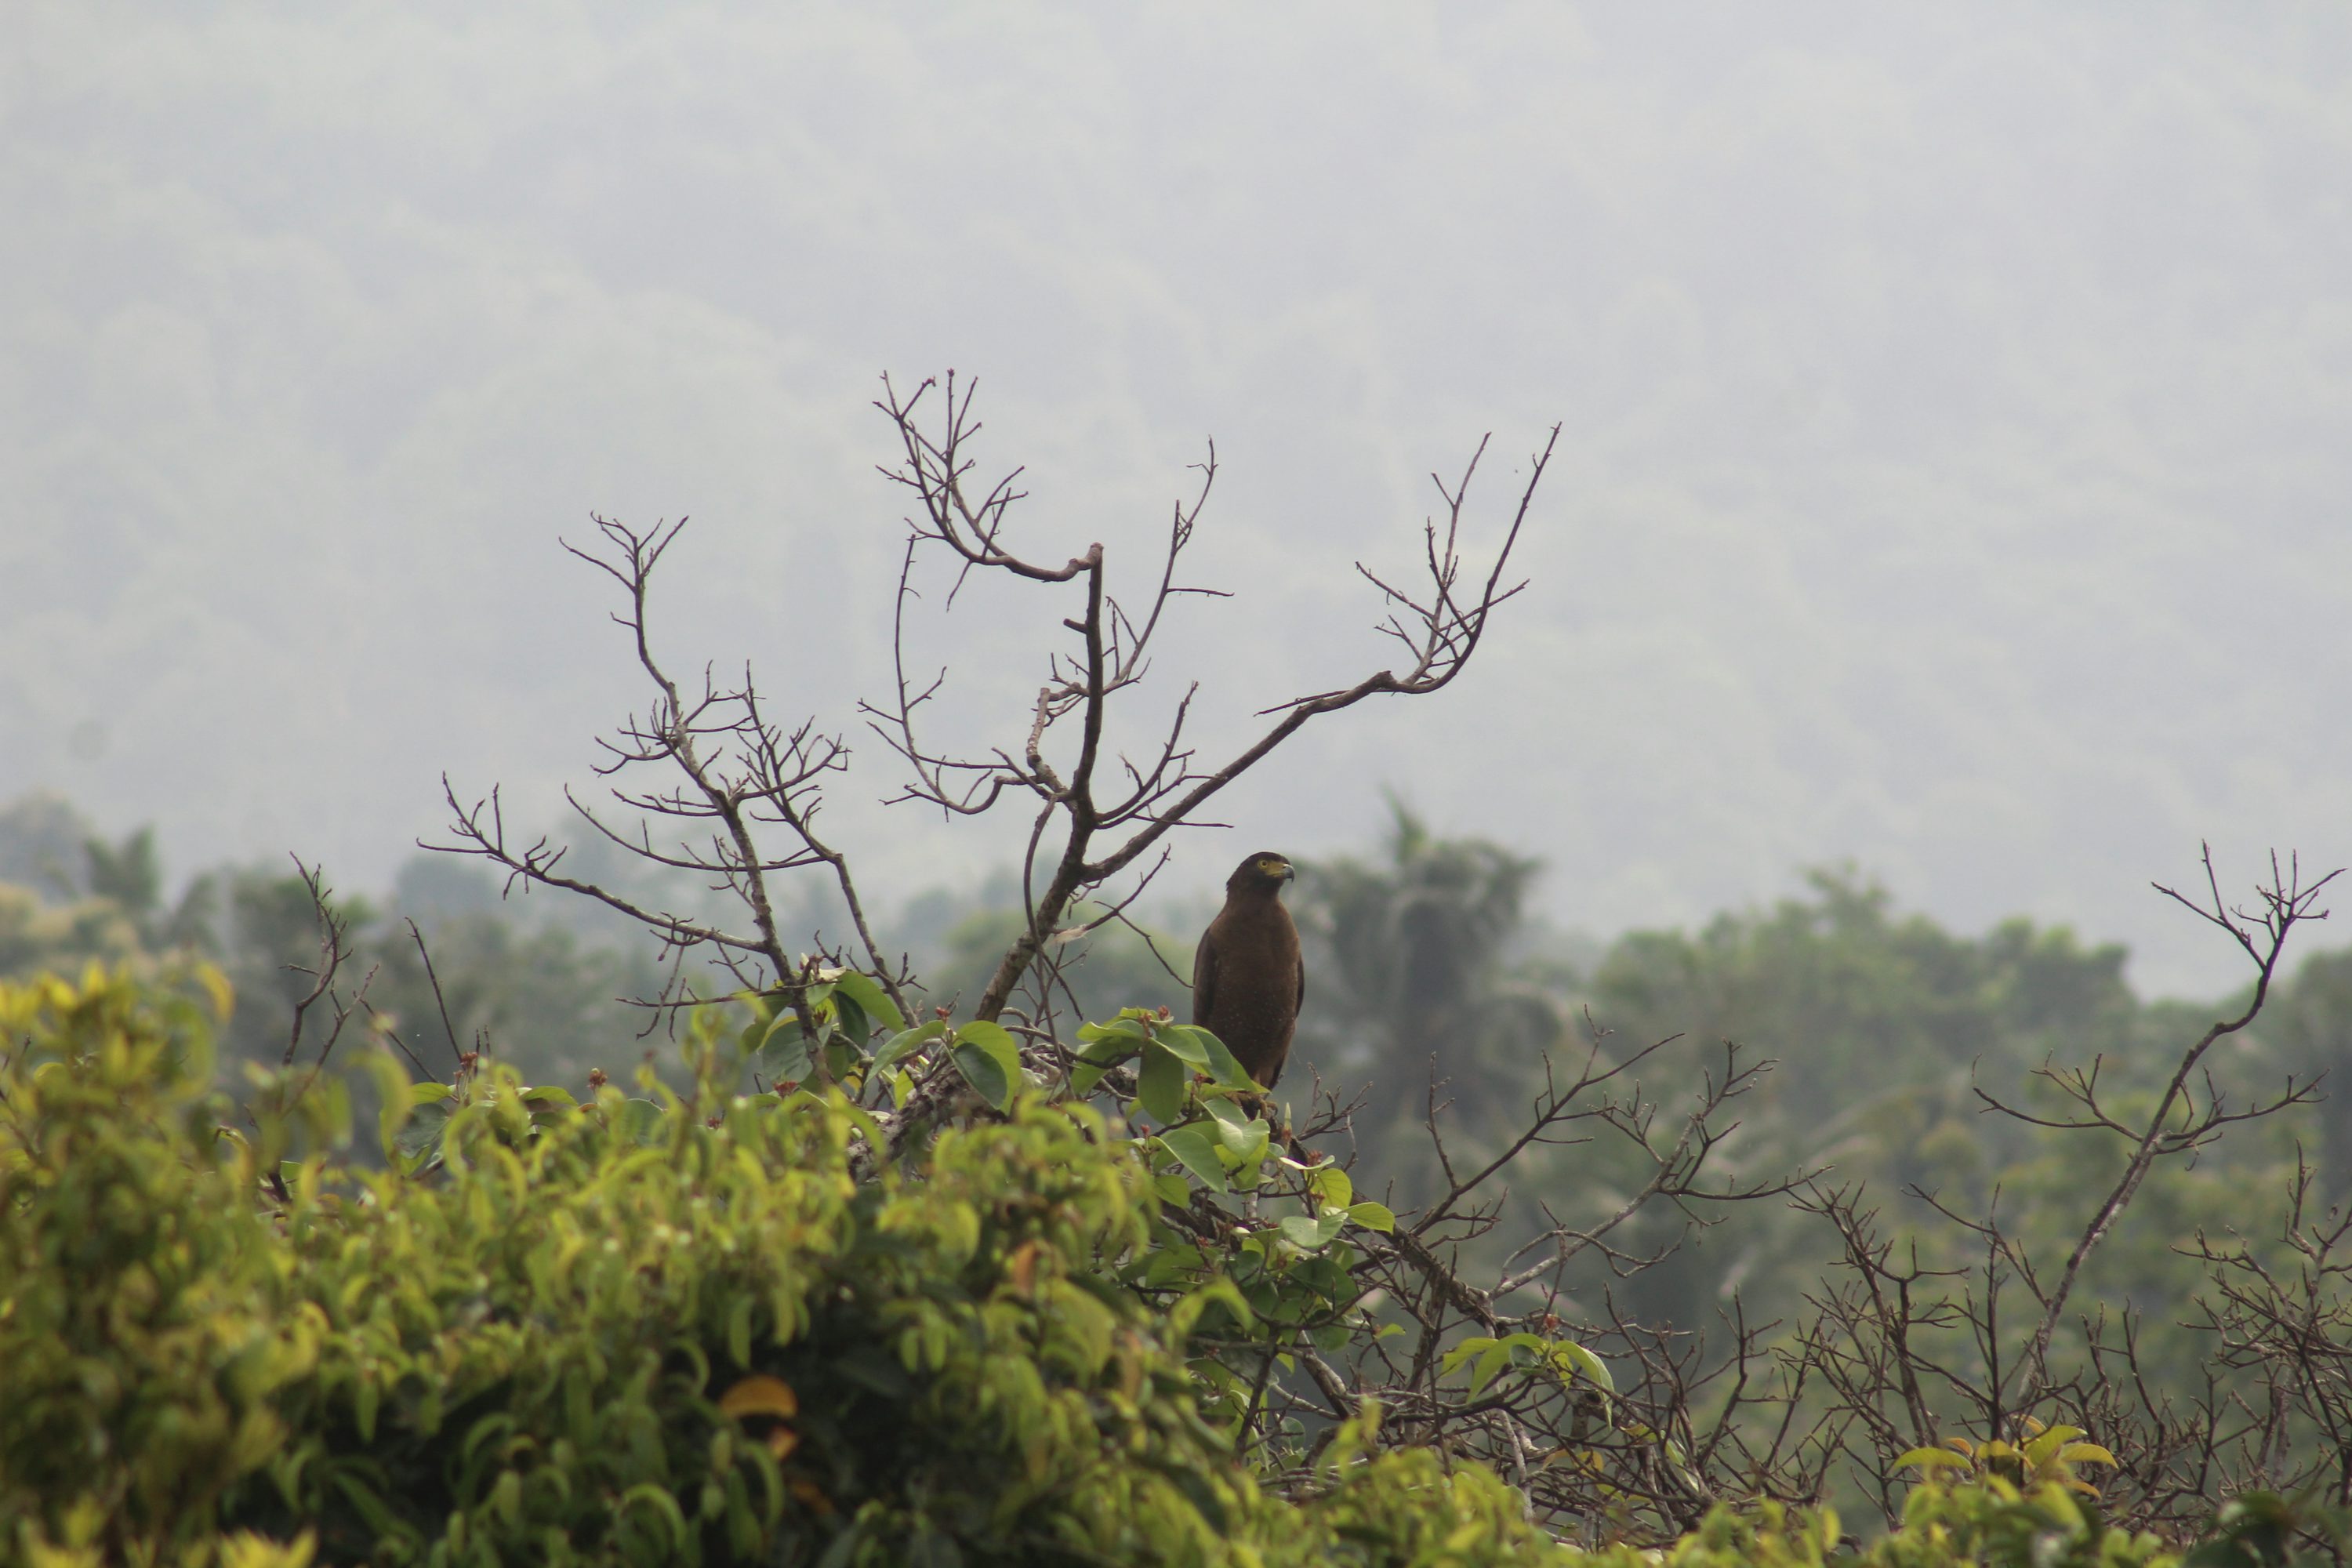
(1956, 473)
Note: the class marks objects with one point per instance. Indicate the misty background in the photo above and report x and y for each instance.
(1957, 406)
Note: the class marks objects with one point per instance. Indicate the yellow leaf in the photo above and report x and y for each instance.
(216, 988)
(759, 1394)
(247, 1549)
(1023, 1267)
(1928, 1458)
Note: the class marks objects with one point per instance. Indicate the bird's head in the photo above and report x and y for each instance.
(1265, 872)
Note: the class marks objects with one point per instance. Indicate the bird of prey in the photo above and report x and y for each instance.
(1248, 977)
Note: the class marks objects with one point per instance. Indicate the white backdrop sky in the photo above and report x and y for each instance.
(1957, 474)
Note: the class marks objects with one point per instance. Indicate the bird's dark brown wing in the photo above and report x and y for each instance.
(1204, 978)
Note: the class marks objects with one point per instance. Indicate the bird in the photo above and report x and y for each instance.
(1248, 979)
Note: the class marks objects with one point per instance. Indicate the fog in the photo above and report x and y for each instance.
(1957, 408)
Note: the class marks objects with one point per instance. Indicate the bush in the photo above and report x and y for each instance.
(1990, 1521)
(642, 1332)
(662, 1330)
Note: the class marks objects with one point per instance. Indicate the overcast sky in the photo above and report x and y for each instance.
(1957, 471)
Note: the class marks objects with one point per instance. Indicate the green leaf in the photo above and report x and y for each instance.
(996, 1040)
(1220, 1061)
(1491, 1356)
(1160, 1269)
(1373, 1216)
(1331, 1187)
(738, 1330)
(990, 1060)
(1194, 1151)
(393, 1096)
(1244, 1137)
(1184, 1042)
(640, 1120)
(1928, 1458)
(1221, 1292)
(2225, 1551)
(1463, 1351)
(1122, 1028)
(1312, 1235)
(842, 1057)
(1577, 1360)
(986, 1077)
(1161, 1085)
(420, 1135)
(849, 1018)
(786, 1017)
(871, 999)
(1489, 1366)
(787, 1064)
(664, 1508)
(906, 1041)
(1107, 1048)
(785, 1050)
(1111, 1049)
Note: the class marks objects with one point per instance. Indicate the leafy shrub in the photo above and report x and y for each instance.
(1990, 1523)
(667, 1330)
(589, 1333)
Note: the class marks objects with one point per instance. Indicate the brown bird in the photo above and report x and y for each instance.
(1248, 977)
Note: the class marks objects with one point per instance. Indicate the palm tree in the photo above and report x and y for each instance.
(1409, 972)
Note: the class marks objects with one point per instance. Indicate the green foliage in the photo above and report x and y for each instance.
(1856, 1003)
(38, 937)
(1992, 1522)
(2047, 1456)
(1995, 1522)
(41, 840)
(668, 1325)
(1881, 1027)
(2309, 1026)
(150, 1312)
(583, 1334)
(2264, 1529)
(129, 874)
(1406, 1506)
